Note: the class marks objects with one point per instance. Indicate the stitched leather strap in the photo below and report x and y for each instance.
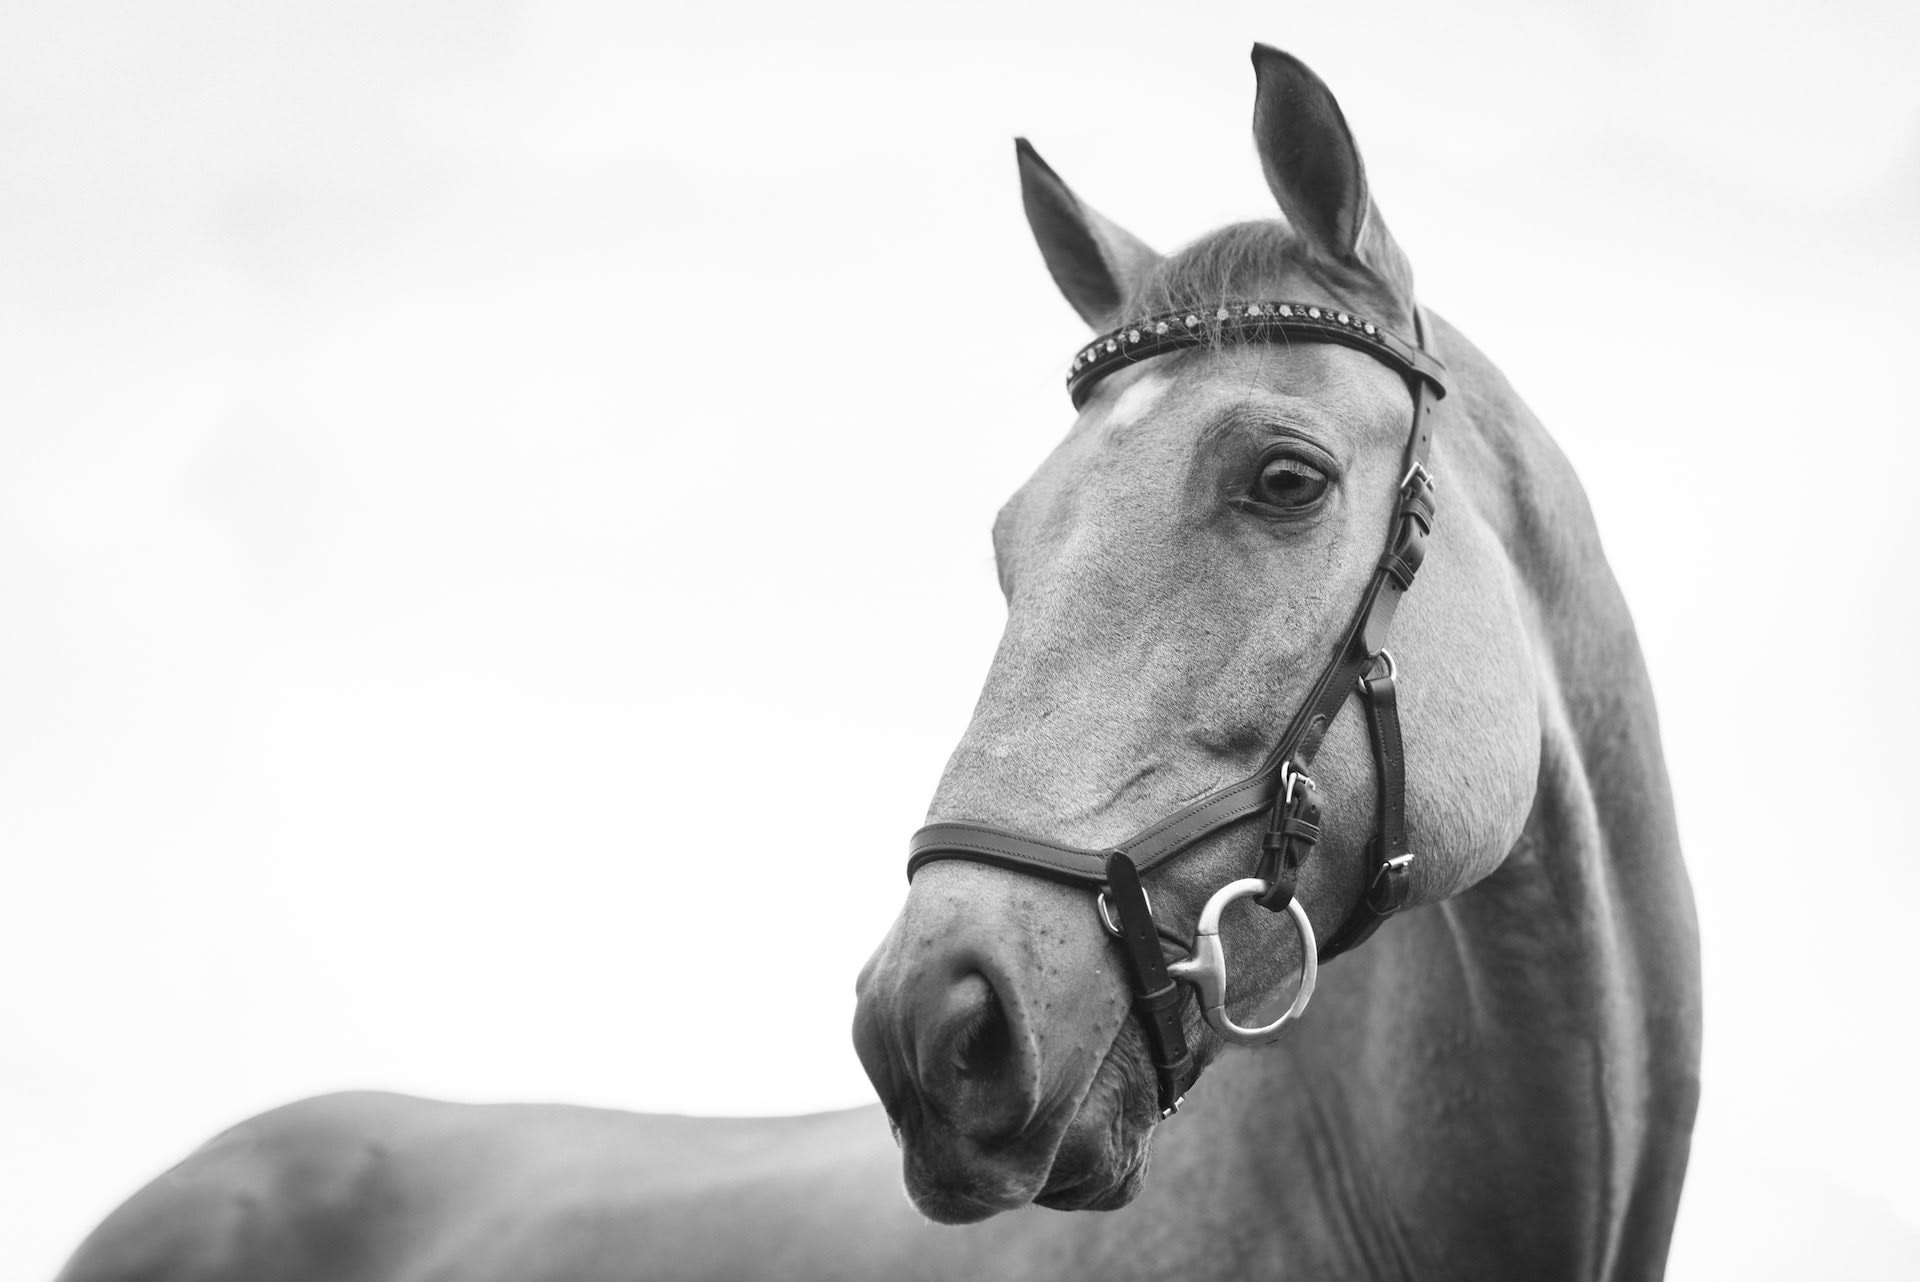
(1389, 875)
(1156, 999)
(1257, 322)
(1288, 842)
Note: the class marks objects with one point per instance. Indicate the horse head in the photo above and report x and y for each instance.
(1176, 574)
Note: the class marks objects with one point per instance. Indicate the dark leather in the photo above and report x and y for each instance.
(1380, 696)
(1006, 849)
(1207, 327)
(1156, 998)
(1389, 879)
(1288, 842)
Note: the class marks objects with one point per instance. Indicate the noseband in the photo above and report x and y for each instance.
(1281, 789)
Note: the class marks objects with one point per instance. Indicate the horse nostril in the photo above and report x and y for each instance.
(983, 1044)
(974, 1064)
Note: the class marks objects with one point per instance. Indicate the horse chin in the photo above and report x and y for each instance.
(968, 1201)
(1108, 1195)
(1101, 1164)
(952, 1179)
(1114, 1183)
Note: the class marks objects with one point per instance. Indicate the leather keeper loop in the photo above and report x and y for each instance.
(1417, 503)
(1271, 866)
(1391, 886)
(1280, 893)
(1403, 561)
(1293, 830)
(1160, 999)
(1167, 1044)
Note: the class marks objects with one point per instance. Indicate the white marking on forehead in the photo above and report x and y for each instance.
(1137, 400)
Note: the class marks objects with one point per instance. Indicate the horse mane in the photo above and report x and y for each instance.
(1259, 259)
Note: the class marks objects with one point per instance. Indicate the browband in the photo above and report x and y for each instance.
(1256, 322)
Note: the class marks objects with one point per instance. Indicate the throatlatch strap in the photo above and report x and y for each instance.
(1389, 874)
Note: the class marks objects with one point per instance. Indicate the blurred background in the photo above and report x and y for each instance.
(444, 447)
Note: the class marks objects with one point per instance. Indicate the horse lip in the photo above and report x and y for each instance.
(972, 1187)
(960, 1206)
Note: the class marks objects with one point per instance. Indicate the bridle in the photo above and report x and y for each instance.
(1281, 787)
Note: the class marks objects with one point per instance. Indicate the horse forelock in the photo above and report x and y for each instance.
(1265, 259)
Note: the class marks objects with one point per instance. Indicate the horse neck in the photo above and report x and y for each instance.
(1520, 1061)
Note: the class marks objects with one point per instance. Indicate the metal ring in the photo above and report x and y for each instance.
(1382, 653)
(1206, 970)
(1106, 913)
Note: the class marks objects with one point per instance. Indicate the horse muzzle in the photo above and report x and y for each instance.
(983, 1021)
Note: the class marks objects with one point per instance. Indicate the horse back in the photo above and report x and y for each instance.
(366, 1186)
(265, 1201)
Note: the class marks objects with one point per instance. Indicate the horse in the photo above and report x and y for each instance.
(1499, 1072)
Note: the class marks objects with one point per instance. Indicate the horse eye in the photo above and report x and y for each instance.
(1290, 484)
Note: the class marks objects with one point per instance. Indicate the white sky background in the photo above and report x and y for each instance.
(472, 477)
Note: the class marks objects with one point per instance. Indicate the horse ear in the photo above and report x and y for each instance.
(1094, 262)
(1313, 168)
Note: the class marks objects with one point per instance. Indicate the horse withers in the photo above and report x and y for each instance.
(1498, 1074)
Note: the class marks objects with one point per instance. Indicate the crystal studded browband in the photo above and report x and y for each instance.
(1262, 322)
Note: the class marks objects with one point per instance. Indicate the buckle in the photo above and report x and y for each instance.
(1106, 913)
(1419, 470)
(1292, 833)
(1290, 775)
(1392, 878)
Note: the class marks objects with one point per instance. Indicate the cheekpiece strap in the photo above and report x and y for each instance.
(1252, 322)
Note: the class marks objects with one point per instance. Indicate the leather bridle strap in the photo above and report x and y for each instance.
(1156, 999)
(1390, 882)
(1280, 785)
(1361, 651)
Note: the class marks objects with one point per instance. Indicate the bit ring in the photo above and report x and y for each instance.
(1206, 970)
